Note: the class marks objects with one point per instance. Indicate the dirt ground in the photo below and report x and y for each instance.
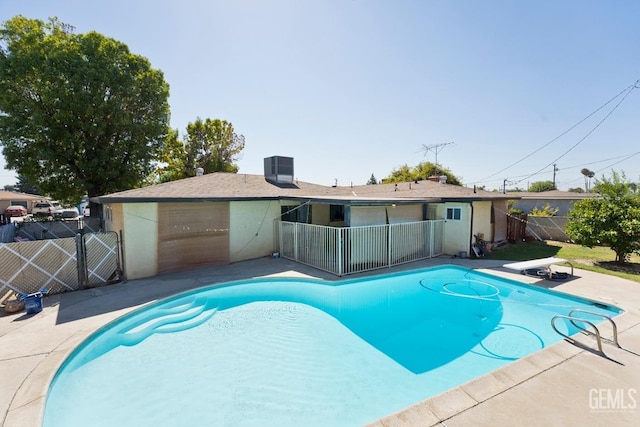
(627, 267)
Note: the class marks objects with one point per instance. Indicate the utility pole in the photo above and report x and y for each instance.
(436, 148)
(555, 169)
(504, 185)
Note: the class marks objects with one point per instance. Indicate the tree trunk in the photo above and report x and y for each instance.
(621, 257)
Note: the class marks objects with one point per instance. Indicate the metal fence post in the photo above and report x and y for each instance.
(80, 261)
(340, 243)
(295, 242)
(122, 258)
(432, 237)
(389, 245)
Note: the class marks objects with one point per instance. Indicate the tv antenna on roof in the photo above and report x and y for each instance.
(436, 148)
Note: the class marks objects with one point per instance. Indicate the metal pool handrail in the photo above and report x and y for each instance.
(573, 319)
(614, 327)
(570, 318)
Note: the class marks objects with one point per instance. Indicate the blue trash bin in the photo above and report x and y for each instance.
(33, 303)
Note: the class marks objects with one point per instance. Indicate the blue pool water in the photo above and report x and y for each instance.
(292, 352)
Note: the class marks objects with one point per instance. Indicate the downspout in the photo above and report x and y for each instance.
(470, 247)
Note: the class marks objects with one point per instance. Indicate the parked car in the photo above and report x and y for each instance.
(46, 208)
(16, 210)
(67, 213)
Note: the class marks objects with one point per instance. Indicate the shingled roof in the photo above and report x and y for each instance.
(221, 186)
(13, 195)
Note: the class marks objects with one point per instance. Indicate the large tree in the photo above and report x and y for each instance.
(210, 144)
(213, 145)
(79, 113)
(612, 219)
(172, 161)
(421, 171)
(540, 186)
(24, 186)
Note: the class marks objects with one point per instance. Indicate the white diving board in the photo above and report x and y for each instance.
(545, 263)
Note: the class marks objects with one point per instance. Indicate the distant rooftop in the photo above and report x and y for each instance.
(551, 195)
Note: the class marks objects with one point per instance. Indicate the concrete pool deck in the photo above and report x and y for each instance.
(561, 385)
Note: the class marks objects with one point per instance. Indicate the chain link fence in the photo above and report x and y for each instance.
(60, 265)
(548, 227)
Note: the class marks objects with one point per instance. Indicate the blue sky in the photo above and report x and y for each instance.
(350, 88)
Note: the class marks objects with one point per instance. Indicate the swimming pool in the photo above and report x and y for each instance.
(303, 352)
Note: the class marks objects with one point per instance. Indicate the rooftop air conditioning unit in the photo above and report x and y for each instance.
(278, 169)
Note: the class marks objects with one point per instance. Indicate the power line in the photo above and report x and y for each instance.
(624, 157)
(611, 165)
(628, 89)
(588, 133)
(515, 178)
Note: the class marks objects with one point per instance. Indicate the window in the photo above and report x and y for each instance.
(301, 213)
(288, 213)
(454, 214)
(336, 213)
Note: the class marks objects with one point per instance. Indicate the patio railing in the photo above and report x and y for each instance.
(356, 249)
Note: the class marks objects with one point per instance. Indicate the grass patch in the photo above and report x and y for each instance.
(599, 259)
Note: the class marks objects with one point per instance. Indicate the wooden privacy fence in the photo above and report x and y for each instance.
(516, 227)
(60, 265)
(351, 250)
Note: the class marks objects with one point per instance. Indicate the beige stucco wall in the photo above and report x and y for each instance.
(320, 214)
(457, 233)
(112, 217)
(140, 239)
(482, 220)
(368, 215)
(404, 213)
(251, 229)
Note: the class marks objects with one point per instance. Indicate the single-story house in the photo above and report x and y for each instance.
(8, 198)
(221, 218)
(562, 200)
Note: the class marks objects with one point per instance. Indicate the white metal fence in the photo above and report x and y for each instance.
(355, 249)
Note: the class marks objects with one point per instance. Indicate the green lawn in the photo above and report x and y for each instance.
(598, 259)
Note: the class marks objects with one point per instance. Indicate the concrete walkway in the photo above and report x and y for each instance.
(562, 385)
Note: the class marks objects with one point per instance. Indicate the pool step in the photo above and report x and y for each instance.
(176, 318)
